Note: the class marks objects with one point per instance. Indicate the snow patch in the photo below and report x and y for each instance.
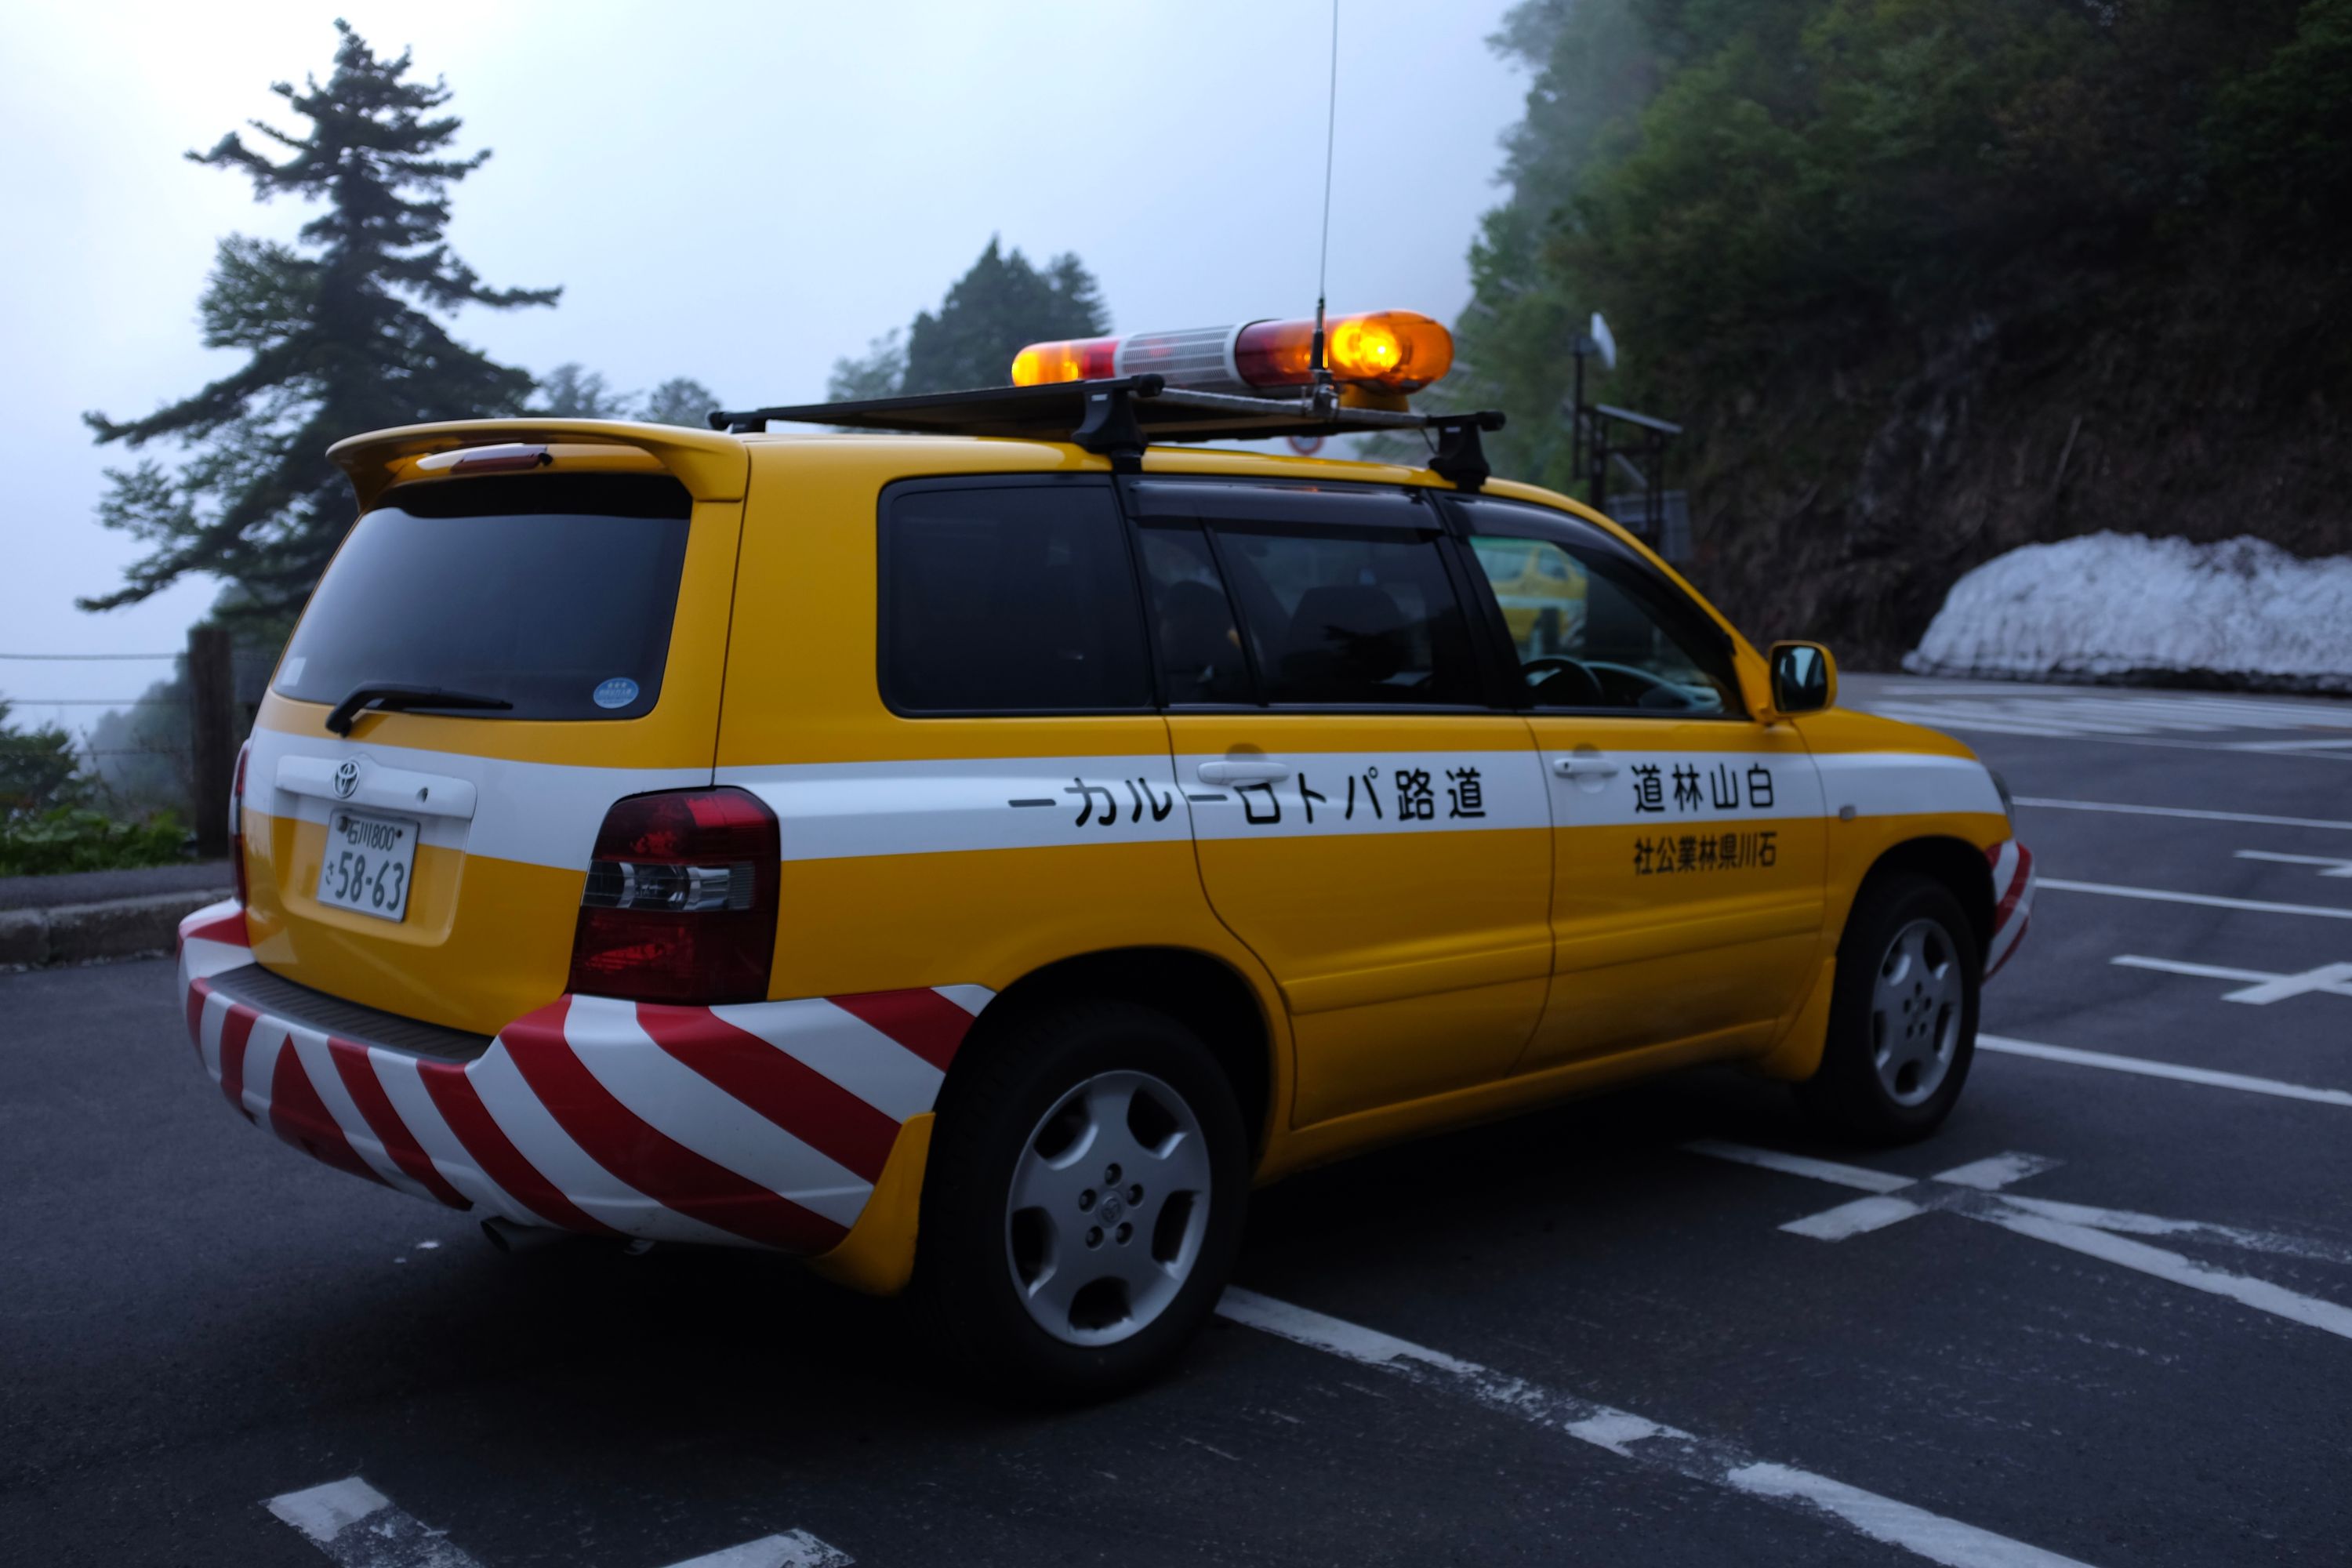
(2120, 607)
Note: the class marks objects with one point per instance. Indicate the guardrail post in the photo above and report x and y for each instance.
(212, 736)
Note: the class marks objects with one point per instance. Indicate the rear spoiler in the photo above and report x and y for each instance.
(711, 466)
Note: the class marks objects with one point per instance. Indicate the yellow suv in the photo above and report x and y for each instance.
(974, 857)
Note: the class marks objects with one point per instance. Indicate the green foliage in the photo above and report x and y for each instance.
(571, 392)
(2282, 133)
(880, 371)
(76, 838)
(38, 769)
(681, 400)
(1749, 189)
(991, 312)
(343, 335)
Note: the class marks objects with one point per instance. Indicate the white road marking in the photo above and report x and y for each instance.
(2173, 1070)
(2129, 1223)
(1865, 1214)
(2190, 814)
(1645, 1442)
(2075, 1227)
(1874, 1213)
(1800, 1165)
(795, 1549)
(2209, 900)
(359, 1526)
(2290, 745)
(2261, 987)
(2335, 866)
(1996, 1172)
(2259, 1294)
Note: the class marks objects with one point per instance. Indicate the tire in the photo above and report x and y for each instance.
(1044, 1277)
(1903, 1014)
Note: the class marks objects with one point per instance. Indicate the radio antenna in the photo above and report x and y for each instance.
(1323, 259)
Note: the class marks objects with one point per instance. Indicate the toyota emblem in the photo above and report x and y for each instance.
(347, 779)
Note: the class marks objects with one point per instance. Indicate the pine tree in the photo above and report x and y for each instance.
(573, 391)
(680, 400)
(993, 312)
(342, 336)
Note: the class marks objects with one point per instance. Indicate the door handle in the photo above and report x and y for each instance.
(1584, 767)
(1243, 772)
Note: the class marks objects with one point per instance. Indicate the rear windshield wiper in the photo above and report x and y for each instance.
(386, 696)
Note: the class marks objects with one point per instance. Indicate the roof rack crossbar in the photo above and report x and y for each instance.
(1118, 416)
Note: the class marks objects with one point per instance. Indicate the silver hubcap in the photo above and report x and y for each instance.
(1109, 1202)
(1915, 1013)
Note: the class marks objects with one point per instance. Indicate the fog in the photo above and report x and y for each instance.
(742, 198)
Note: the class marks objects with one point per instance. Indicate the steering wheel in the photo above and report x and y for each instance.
(1543, 666)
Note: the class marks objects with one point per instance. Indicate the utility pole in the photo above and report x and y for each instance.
(211, 735)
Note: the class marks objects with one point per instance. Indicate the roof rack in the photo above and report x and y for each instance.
(1119, 417)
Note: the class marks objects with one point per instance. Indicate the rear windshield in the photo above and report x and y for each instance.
(553, 592)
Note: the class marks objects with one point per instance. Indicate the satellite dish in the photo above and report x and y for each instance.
(1604, 340)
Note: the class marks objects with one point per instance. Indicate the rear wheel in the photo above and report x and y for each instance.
(1083, 1203)
(1903, 1017)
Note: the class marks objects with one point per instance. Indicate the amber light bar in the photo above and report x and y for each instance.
(1389, 350)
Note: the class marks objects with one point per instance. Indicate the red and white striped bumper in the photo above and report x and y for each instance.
(2012, 900)
(766, 1123)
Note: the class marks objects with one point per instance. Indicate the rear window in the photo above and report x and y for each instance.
(553, 592)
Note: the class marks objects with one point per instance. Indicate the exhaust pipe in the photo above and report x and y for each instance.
(515, 1239)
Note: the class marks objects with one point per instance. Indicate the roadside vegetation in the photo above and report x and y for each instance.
(57, 816)
(1927, 280)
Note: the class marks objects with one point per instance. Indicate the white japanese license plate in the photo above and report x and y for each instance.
(369, 862)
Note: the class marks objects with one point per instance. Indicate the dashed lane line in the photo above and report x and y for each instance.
(2074, 1226)
(2176, 1071)
(2208, 900)
(2190, 813)
(1644, 1441)
(359, 1526)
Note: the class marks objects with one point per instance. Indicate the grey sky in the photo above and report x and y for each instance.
(737, 193)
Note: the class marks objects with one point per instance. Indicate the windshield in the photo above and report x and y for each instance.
(555, 593)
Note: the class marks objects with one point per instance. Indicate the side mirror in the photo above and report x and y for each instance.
(1804, 677)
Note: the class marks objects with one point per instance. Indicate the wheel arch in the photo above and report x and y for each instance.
(1958, 865)
(1203, 992)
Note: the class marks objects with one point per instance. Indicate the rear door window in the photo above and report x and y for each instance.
(1338, 616)
(1010, 599)
(555, 593)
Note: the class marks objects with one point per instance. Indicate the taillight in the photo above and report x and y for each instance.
(236, 823)
(680, 904)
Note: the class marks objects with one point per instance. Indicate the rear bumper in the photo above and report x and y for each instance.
(764, 1124)
(2013, 901)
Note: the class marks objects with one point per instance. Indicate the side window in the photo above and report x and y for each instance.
(1008, 599)
(1200, 648)
(1590, 632)
(1346, 616)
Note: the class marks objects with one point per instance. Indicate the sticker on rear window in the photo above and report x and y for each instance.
(617, 692)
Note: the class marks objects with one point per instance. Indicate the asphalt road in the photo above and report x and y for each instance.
(2131, 1345)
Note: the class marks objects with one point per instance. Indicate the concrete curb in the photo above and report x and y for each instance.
(114, 927)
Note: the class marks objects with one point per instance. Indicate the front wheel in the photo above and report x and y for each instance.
(1083, 1203)
(1903, 1014)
